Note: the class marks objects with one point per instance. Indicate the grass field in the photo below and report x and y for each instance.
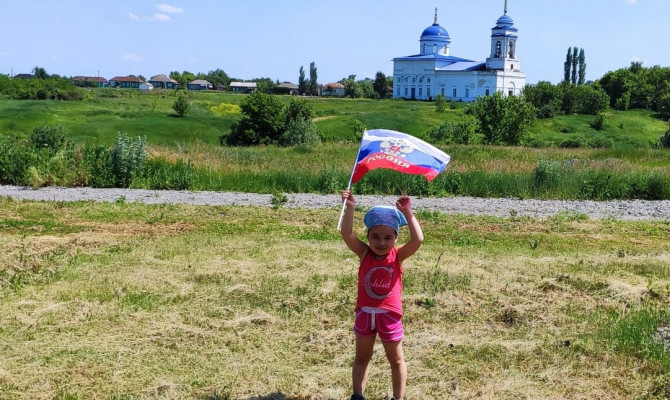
(131, 301)
(105, 112)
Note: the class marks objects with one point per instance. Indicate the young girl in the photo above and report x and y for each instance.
(379, 303)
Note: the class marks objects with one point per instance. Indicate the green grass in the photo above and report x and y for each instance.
(125, 300)
(186, 155)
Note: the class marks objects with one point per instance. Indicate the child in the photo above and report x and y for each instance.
(379, 304)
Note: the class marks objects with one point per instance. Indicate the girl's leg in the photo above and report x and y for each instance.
(398, 368)
(359, 372)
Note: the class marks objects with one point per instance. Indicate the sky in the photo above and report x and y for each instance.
(273, 38)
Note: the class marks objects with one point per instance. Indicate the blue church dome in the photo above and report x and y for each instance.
(505, 21)
(435, 30)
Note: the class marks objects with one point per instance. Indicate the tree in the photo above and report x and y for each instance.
(380, 86)
(313, 84)
(263, 121)
(218, 77)
(503, 120)
(302, 82)
(441, 103)
(40, 73)
(575, 60)
(181, 106)
(298, 109)
(545, 97)
(567, 65)
(582, 68)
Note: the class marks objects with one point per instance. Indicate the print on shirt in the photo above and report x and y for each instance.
(377, 282)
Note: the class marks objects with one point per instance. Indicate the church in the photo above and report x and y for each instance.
(435, 71)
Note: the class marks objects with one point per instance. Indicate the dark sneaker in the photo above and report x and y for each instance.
(357, 397)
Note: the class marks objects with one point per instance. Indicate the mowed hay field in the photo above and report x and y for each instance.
(132, 301)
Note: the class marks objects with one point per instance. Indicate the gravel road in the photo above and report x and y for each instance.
(620, 209)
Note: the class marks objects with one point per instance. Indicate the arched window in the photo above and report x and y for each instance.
(511, 49)
(425, 48)
(497, 49)
(434, 48)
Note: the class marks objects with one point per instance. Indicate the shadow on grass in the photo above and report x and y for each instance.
(277, 396)
(271, 396)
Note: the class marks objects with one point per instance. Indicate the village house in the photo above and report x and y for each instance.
(163, 82)
(243, 87)
(125, 82)
(199, 84)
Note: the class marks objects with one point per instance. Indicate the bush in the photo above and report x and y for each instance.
(547, 174)
(665, 139)
(181, 106)
(300, 132)
(128, 157)
(51, 137)
(599, 122)
(449, 132)
(440, 103)
(16, 157)
(99, 166)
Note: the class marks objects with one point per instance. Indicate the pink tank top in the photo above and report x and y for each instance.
(380, 282)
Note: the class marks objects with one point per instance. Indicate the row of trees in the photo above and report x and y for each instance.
(43, 87)
(574, 68)
(637, 87)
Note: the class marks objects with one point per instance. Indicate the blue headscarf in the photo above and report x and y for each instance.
(384, 215)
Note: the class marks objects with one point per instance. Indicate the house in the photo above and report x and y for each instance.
(126, 82)
(146, 86)
(90, 81)
(286, 88)
(163, 82)
(199, 84)
(243, 87)
(23, 76)
(332, 89)
(434, 71)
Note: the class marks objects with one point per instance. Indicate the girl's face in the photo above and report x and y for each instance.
(382, 239)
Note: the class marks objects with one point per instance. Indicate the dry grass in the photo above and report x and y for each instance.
(121, 301)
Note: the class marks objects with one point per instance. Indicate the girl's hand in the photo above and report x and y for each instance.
(404, 204)
(348, 198)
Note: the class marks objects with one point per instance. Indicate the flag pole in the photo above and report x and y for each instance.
(351, 177)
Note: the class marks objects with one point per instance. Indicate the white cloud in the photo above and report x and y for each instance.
(161, 17)
(132, 57)
(166, 8)
(134, 17)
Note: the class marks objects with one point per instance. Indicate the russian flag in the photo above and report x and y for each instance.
(383, 148)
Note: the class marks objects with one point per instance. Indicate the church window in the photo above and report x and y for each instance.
(428, 80)
(511, 49)
(405, 92)
(420, 92)
(497, 49)
(511, 66)
(467, 92)
(425, 48)
(511, 93)
(421, 80)
(454, 93)
(487, 92)
(428, 92)
(442, 91)
(434, 48)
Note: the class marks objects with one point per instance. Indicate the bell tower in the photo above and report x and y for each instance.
(503, 45)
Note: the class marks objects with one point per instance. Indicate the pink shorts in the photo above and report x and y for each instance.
(387, 324)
